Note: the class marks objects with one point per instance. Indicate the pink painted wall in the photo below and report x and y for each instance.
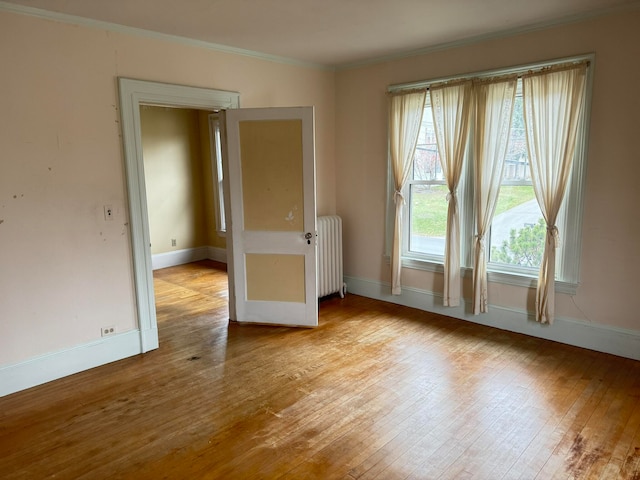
(611, 231)
(64, 271)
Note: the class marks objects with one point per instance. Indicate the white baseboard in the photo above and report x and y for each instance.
(53, 366)
(178, 257)
(218, 254)
(187, 255)
(46, 368)
(601, 338)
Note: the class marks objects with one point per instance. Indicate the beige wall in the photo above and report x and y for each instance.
(610, 254)
(64, 271)
(174, 178)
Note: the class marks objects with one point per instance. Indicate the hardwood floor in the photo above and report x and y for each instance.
(376, 391)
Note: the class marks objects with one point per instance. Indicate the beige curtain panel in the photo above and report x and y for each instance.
(553, 102)
(405, 117)
(451, 105)
(494, 99)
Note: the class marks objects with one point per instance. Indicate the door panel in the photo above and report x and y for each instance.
(272, 183)
(272, 212)
(260, 284)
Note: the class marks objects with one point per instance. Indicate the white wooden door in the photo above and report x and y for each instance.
(271, 216)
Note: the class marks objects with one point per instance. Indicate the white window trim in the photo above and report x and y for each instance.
(215, 148)
(572, 211)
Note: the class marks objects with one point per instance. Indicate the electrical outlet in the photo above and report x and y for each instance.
(173, 242)
(107, 331)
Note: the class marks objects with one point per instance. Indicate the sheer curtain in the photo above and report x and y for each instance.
(405, 117)
(451, 106)
(494, 100)
(553, 105)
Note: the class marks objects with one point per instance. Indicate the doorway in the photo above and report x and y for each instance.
(134, 94)
(183, 222)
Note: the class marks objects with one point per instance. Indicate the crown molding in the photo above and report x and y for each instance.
(139, 32)
(536, 27)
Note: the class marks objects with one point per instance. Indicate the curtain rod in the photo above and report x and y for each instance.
(520, 71)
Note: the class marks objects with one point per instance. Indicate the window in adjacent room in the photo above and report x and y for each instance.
(218, 176)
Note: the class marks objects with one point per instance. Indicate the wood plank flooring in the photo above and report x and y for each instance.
(377, 391)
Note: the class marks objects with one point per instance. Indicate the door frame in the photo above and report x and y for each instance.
(133, 93)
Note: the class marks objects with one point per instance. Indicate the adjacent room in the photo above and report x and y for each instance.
(462, 349)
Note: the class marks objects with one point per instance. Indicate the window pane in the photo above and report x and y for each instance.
(516, 166)
(428, 219)
(518, 229)
(426, 162)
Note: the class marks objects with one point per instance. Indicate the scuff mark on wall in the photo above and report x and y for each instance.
(1, 221)
(573, 300)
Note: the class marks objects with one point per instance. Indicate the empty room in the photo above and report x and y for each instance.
(166, 170)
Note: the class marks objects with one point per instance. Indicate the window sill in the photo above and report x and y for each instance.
(506, 278)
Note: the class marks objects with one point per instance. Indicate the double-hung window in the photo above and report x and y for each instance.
(517, 235)
(218, 176)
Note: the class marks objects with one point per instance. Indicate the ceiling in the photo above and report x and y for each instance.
(331, 32)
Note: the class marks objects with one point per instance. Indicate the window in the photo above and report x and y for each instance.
(427, 194)
(218, 176)
(517, 235)
(518, 229)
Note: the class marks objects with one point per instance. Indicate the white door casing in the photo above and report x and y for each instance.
(134, 93)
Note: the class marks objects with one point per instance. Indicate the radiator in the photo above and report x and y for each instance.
(330, 256)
